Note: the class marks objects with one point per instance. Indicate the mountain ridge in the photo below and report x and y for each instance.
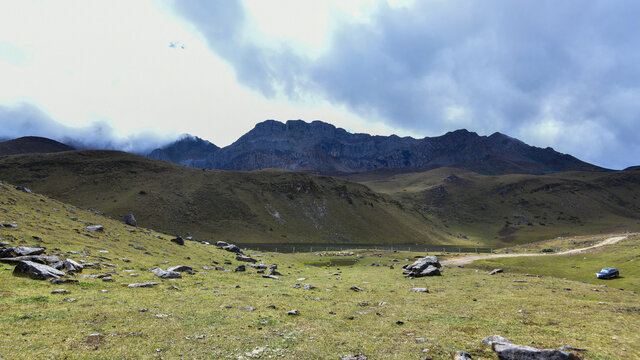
(32, 144)
(321, 147)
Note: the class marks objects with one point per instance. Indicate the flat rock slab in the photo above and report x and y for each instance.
(47, 260)
(507, 351)
(182, 268)
(21, 251)
(143, 285)
(419, 290)
(36, 271)
(495, 271)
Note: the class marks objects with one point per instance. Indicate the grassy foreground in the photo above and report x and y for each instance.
(224, 315)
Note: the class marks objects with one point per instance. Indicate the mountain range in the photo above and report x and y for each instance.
(320, 147)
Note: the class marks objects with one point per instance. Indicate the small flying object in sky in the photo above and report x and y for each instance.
(176, 45)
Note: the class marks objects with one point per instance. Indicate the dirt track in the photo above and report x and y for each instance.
(469, 259)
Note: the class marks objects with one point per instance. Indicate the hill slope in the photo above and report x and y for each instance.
(218, 314)
(517, 208)
(257, 207)
(321, 147)
(32, 144)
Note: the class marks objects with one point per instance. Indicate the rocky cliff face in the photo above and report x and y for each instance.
(321, 147)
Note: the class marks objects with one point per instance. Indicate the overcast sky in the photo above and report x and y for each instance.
(135, 74)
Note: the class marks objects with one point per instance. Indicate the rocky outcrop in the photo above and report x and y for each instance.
(36, 271)
(426, 266)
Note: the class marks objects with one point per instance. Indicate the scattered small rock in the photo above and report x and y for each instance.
(143, 285)
(293, 313)
(356, 288)
(419, 290)
(495, 271)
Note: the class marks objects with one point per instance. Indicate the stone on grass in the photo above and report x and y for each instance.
(426, 266)
(293, 313)
(244, 258)
(95, 228)
(36, 271)
(240, 268)
(353, 357)
(71, 266)
(63, 281)
(495, 271)
(308, 287)
(173, 287)
(143, 285)
(419, 290)
(107, 279)
(60, 291)
(21, 251)
(356, 288)
(182, 268)
(271, 277)
(178, 240)
(23, 189)
(232, 248)
(462, 355)
(506, 350)
(130, 220)
(165, 274)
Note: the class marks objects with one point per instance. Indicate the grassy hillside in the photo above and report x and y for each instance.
(248, 207)
(510, 209)
(219, 315)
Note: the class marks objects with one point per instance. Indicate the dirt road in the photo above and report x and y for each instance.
(469, 259)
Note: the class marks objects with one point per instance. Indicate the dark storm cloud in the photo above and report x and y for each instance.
(552, 73)
(28, 120)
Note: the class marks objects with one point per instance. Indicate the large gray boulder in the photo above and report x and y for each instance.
(506, 350)
(36, 271)
(246, 259)
(130, 220)
(41, 259)
(182, 268)
(71, 266)
(232, 248)
(426, 266)
(21, 251)
(164, 274)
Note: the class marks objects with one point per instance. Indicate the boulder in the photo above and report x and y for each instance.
(165, 274)
(461, 355)
(240, 268)
(232, 248)
(221, 244)
(130, 220)
(95, 228)
(21, 251)
(71, 266)
(178, 240)
(429, 271)
(24, 189)
(246, 259)
(47, 260)
(143, 285)
(419, 290)
(36, 271)
(426, 266)
(63, 281)
(506, 351)
(182, 268)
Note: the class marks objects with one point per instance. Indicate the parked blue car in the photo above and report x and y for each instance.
(608, 273)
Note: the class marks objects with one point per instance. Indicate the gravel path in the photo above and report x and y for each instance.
(469, 259)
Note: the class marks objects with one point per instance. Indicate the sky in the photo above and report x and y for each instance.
(134, 75)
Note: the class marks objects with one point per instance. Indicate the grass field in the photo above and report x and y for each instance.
(210, 316)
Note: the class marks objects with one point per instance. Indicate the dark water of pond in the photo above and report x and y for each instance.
(292, 248)
(334, 262)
